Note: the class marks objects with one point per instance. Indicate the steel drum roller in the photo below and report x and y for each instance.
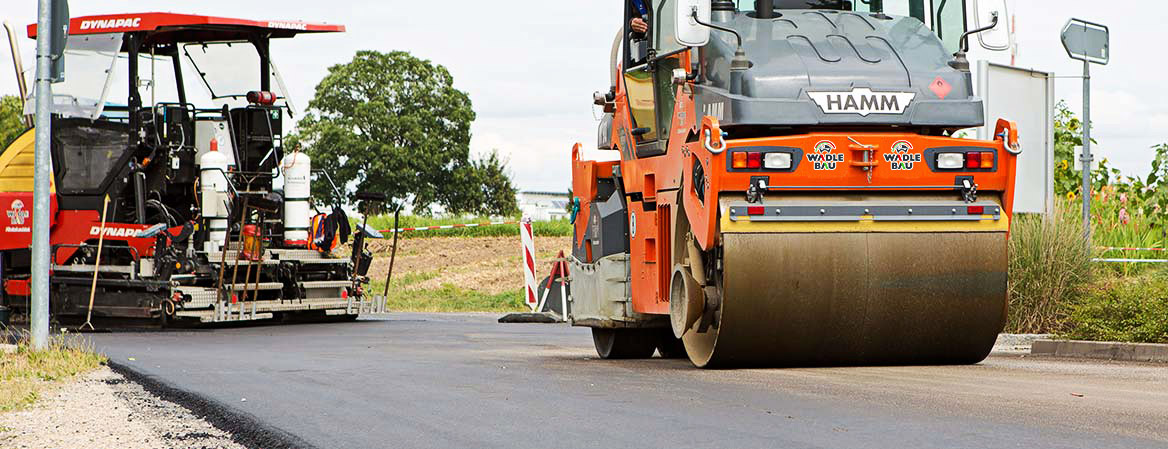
(856, 298)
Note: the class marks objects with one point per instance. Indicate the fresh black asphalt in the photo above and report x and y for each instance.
(443, 381)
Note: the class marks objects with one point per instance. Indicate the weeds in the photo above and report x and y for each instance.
(26, 372)
(1049, 265)
(1124, 308)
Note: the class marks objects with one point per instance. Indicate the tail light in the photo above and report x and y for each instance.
(738, 159)
(753, 159)
(771, 160)
(755, 210)
(987, 160)
(950, 161)
(973, 160)
(777, 161)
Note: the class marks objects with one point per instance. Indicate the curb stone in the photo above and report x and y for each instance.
(1110, 350)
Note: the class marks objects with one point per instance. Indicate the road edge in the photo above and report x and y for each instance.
(244, 428)
(1108, 350)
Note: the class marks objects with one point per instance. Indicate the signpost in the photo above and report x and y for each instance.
(1087, 42)
(52, 28)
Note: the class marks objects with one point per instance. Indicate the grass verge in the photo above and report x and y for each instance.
(26, 373)
(446, 298)
(1049, 266)
(1055, 288)
(450, 298)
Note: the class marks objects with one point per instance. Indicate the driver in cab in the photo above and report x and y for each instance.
(638, 29)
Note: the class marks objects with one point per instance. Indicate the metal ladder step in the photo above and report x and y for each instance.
(252, 286)
(83, 268)
(325, 284)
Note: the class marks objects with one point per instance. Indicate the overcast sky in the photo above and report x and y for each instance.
(530, 67)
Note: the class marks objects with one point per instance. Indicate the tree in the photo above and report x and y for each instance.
(11, 120)
(482, 187)
(393, 123)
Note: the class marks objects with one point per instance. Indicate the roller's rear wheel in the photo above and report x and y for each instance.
(670, 347)
(625, 343)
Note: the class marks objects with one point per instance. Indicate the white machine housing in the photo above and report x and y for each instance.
(297, 190)
(214, 198)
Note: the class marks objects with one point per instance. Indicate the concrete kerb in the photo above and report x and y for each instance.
(1108, 350)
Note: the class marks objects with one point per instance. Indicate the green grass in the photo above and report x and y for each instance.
(1049, 266)
(450, 298)
(446, 298)
(26, 373)
(1054, 288)
(1123, 308)
(555, 228)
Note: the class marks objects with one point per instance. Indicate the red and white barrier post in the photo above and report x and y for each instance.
(528, 238)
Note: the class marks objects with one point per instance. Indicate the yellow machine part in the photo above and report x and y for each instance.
(871, 293)
(17, 163)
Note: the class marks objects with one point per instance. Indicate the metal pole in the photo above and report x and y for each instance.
(39, 323)
(1086, 156)
(392, 255)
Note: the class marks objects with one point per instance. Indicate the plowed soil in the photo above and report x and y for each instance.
(490, 265)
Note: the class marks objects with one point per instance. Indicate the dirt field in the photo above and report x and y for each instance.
(449, 267)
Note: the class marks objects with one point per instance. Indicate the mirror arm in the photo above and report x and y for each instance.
(694, 14)
(964, 41)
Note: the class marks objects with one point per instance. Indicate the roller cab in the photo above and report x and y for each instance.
(801, 196)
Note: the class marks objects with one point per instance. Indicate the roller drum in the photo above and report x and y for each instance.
(815, 299)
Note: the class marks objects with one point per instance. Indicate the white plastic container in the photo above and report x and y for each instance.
(213, 189)
(297, 190)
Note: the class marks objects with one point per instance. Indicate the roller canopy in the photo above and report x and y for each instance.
(169, 28)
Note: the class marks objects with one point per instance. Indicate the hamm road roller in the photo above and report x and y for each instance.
(173, 197)
(793, 189)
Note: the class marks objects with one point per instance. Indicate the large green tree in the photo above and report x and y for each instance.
(11, 120)
(395, 124)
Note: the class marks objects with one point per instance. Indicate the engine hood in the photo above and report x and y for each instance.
(820, 67)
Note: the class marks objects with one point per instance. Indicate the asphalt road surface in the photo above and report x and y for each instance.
(442, 381)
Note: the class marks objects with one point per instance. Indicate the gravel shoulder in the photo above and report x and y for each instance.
(101, 409)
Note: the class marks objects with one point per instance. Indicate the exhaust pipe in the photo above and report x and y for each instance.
(764, 9)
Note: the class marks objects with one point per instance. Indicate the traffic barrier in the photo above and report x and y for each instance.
(527, 237)
(559, 272)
